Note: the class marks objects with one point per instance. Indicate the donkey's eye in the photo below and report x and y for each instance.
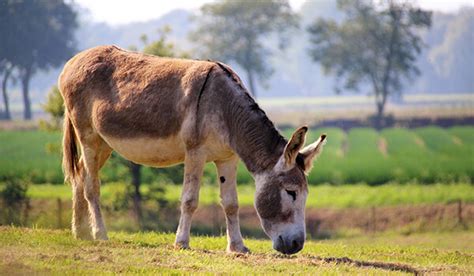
(292, 194)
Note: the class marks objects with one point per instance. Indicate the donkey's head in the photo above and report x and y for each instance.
(280, 196)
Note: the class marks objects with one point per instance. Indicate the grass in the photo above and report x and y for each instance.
(322, 196)
(424, 155)
(24, 251)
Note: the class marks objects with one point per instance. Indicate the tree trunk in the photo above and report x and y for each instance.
(25, 82)
(253, 90)
(135, 170)
(6, 114)
(380, 101)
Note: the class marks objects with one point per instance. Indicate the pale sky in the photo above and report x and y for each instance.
(124, 11)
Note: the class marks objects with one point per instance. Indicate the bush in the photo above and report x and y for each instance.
(14, 200)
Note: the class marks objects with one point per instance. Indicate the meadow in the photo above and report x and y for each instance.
(40, 251)
(320, 196)
(361, 155)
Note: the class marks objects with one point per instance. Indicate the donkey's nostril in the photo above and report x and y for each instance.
(295, 244)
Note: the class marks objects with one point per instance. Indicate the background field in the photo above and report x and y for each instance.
(425, 155)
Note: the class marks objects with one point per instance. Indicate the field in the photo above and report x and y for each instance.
(26, 251)
(361, 155)
(321, 196)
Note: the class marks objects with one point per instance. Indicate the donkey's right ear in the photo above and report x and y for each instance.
(293, 147)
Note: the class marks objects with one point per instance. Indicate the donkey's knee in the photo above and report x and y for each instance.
(230, 206)
(80, 214)
(189, 204)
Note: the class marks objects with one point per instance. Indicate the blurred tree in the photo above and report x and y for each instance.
(54, 106)
(36, 35)
(232, 31)
(377, 45)
(6, 68)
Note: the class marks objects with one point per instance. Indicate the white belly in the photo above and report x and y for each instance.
(154, 152)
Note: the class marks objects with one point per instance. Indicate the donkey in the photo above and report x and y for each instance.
(161, 111)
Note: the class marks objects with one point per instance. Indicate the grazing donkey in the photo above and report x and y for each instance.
(160, 112)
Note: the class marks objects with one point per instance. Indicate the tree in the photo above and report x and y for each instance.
(6, 69)
(54, 106)
(38, 35)
(376, 45)
(232, 31)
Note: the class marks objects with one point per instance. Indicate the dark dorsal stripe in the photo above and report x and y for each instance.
(252, 134)
(202, 89)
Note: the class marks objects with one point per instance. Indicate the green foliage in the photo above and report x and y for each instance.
(376, 45)
(39, 35)
(54, 106)
(232, 31)
(14, 198)
(320, 196)
(161, 47)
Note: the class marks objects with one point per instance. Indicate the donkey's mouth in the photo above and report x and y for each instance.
(288, 246)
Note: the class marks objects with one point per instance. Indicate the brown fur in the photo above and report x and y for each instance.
(125, 94)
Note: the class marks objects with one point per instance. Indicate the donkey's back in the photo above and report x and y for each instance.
(136, 103)
(126, 94)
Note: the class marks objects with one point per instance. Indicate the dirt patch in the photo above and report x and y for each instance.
(321, 222)
(379, 265)
(457, 141)
(420, 142)
(382, 146)
(344, 146)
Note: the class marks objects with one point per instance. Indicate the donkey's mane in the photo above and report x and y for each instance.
(252, 134)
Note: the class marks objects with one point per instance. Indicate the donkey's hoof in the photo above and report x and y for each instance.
(82, 235)
(240, 249)
(101, 237)
(181, 245)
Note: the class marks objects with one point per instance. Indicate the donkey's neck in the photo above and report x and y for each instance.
(251, 134)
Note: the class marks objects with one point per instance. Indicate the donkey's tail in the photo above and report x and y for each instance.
(70, 153)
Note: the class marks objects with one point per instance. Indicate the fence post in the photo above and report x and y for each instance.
(460, 218)
(374, 220)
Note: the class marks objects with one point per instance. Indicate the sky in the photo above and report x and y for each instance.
(117, 12)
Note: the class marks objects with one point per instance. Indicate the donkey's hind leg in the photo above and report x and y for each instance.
(80, 211)
(94, 154)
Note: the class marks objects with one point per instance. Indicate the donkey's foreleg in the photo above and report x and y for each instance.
(227, 174)
(193, 168)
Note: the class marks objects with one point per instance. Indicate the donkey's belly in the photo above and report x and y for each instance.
(155, 152)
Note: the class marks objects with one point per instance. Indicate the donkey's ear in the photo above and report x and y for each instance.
(294, 145)
(312, 151)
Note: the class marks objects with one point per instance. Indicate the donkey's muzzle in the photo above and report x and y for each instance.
(288, 245)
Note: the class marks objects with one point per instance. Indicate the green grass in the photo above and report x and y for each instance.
(24, 154)
(322, 196)
(25, 251)
(424, 155)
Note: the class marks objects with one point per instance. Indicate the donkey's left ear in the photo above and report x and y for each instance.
(294, 145)
(312, 151)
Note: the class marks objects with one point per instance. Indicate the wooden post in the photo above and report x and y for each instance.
(374, 223)
(460, 219)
